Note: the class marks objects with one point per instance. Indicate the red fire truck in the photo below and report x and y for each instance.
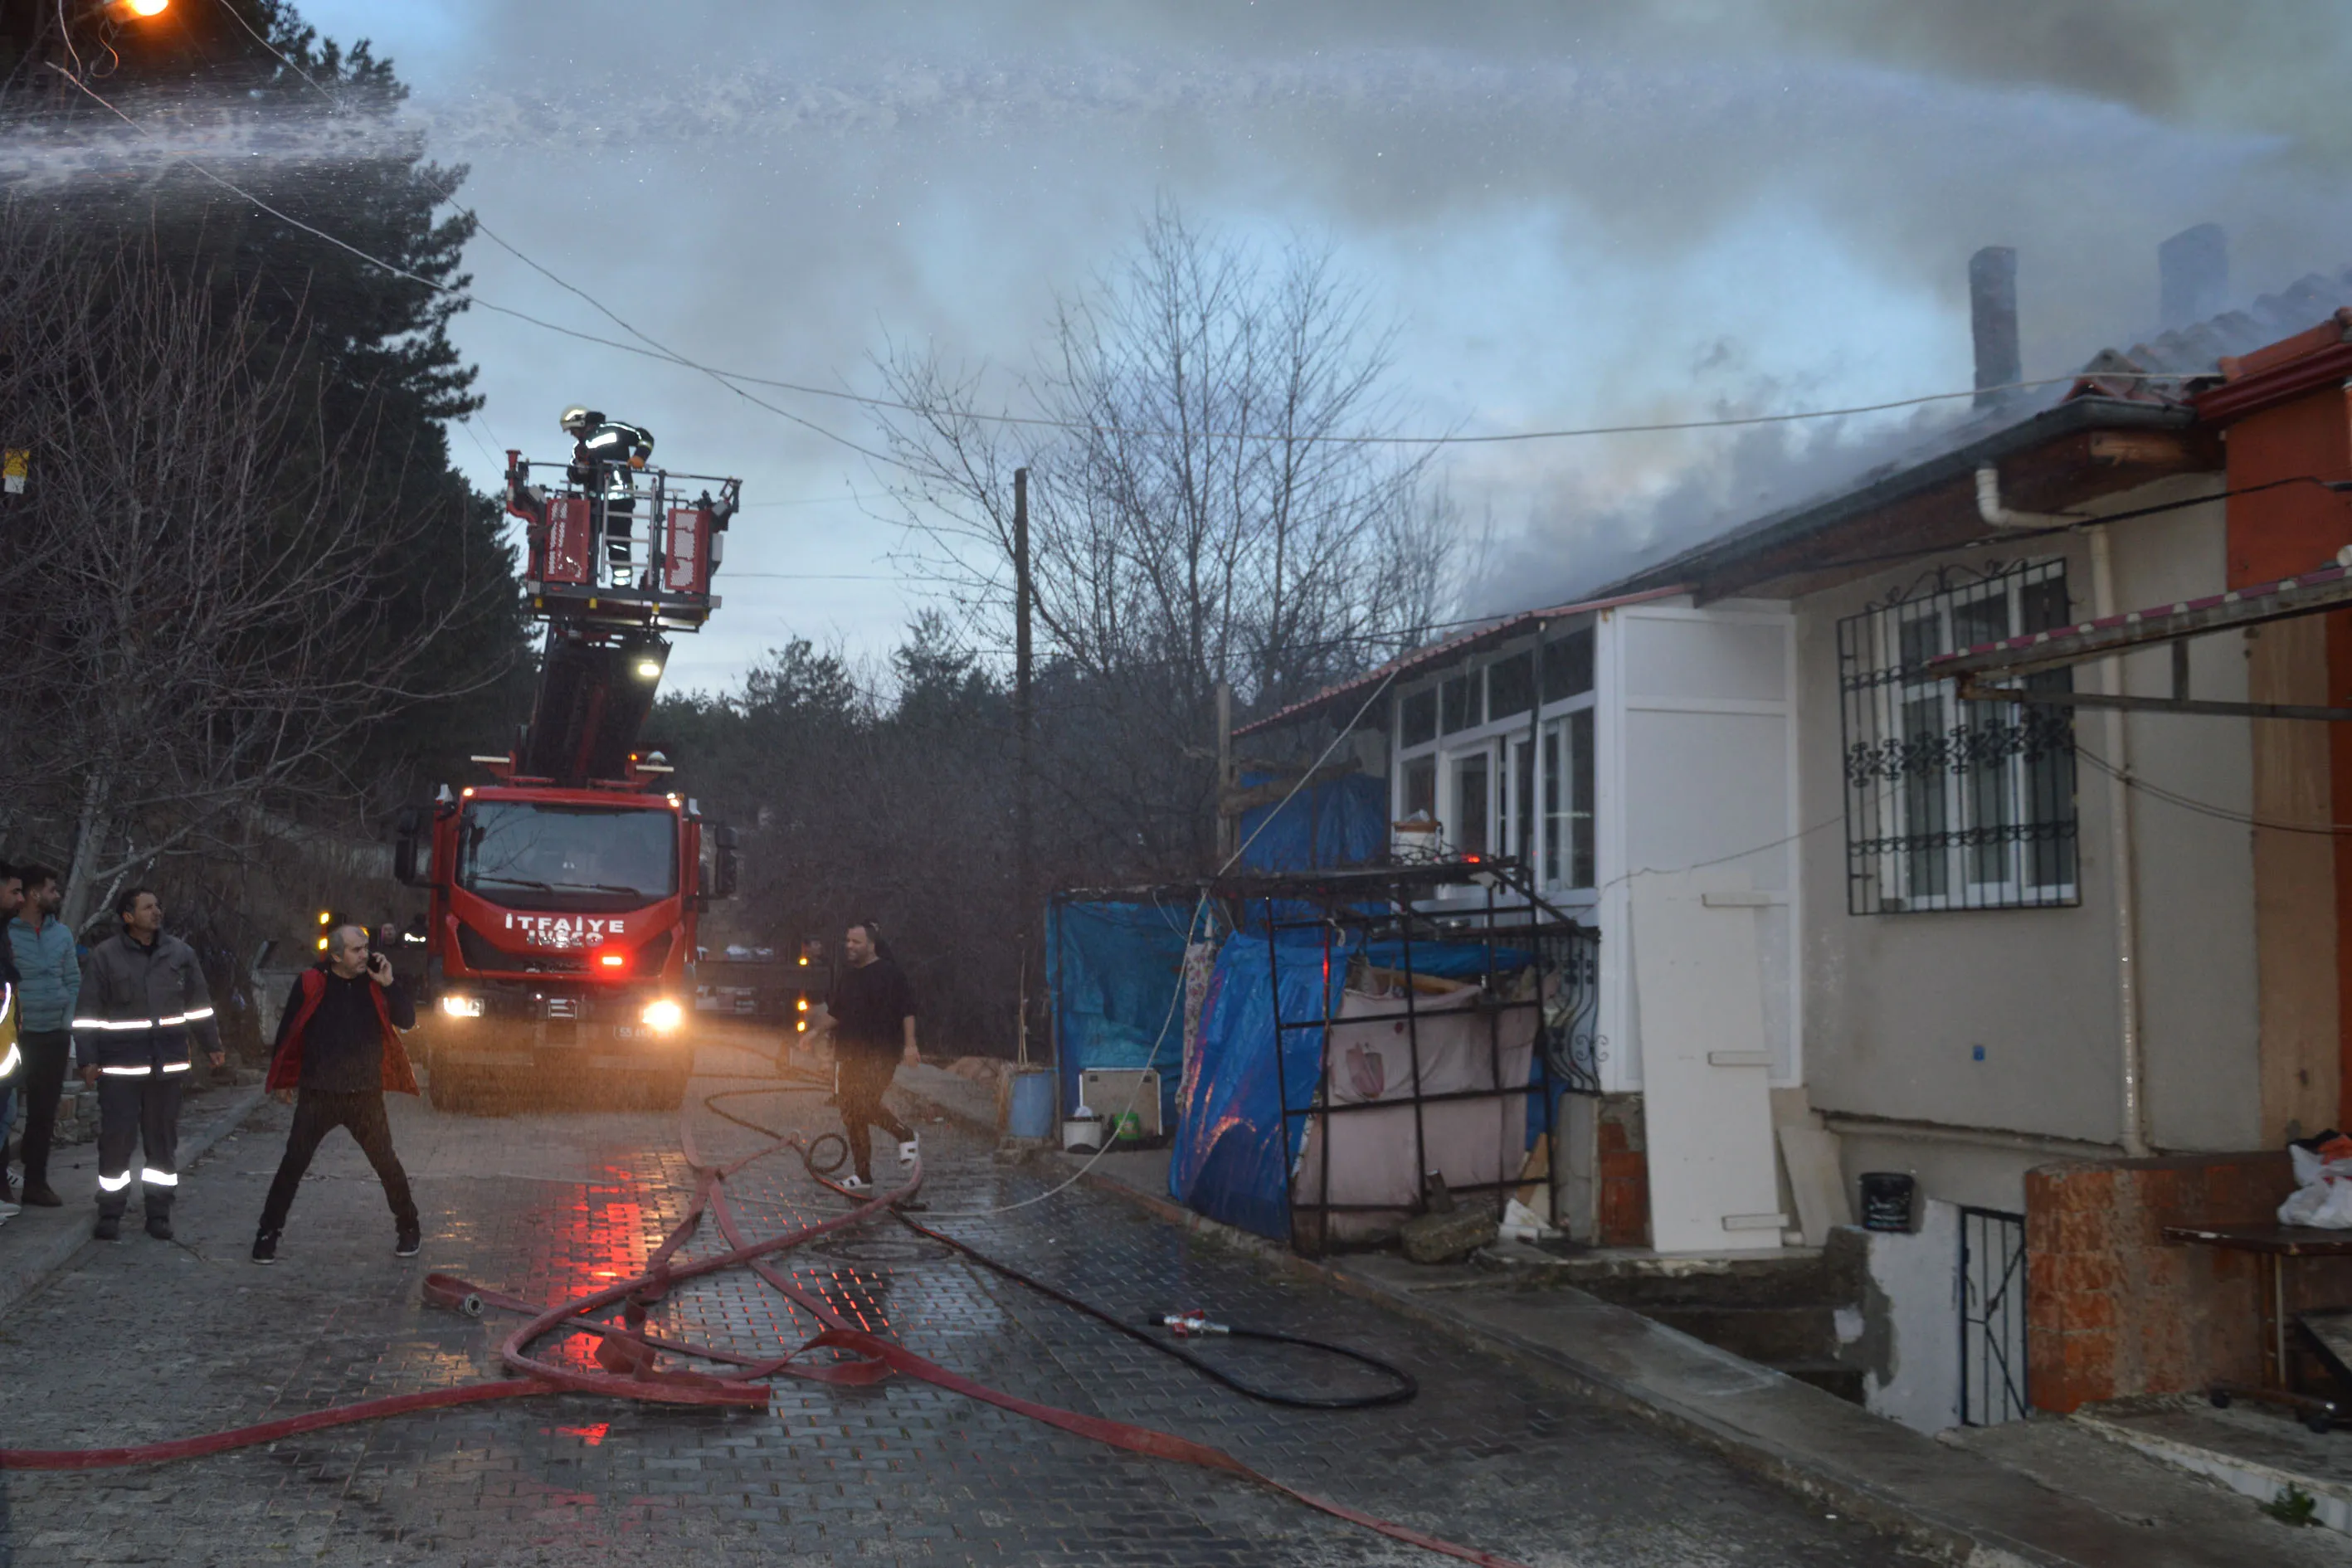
(565, 890)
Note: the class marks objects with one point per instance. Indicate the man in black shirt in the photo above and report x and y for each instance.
(871, 1018)
(339, 1045)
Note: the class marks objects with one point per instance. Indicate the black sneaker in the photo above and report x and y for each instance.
(158, 1227)
(410, 1240)
(110, 1227)
(265, 1247)
(40, 1194)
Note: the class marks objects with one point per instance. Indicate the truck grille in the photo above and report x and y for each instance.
(479, 954)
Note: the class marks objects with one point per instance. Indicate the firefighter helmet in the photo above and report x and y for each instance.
(579, 421)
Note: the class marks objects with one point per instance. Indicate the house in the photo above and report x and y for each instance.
(2074, 965)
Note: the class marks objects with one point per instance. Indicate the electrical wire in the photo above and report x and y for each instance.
(736, 381)
(2206, 807)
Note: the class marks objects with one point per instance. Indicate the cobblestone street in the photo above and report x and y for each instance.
(144, 1341)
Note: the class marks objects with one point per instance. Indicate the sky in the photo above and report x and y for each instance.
(1573, 215)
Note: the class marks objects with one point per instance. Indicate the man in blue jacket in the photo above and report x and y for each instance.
(49, 982)
(143, 1008)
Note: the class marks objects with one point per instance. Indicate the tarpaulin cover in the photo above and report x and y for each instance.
(1230, 1156)
(1340, 822)
(1115, 968)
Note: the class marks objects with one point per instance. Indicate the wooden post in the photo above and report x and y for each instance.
(1228, 826)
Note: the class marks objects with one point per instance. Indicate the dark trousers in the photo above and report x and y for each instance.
(316, 1114)
(141, 1113)
(861, 1076)
(41, 1080)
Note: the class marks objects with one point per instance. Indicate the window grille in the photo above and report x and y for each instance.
(1953, 805)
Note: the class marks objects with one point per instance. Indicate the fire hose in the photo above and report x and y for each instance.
(628, 1357)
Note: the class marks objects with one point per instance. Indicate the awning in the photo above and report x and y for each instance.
(2013, 659)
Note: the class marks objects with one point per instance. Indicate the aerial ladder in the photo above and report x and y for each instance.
(566, 892)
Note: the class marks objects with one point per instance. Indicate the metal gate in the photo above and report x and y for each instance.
(1992, 1316)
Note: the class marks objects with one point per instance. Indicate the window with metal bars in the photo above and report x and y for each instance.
(1953, 805)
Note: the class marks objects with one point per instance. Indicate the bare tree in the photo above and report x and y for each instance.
(1202, 509)
(195, 626)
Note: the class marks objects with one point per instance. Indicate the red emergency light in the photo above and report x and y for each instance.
(612, 960)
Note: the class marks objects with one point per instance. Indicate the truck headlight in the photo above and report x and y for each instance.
(462, 1006)
(664, 1015)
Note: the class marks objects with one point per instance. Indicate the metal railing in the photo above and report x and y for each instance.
(1513, 930)
(1992, 1318)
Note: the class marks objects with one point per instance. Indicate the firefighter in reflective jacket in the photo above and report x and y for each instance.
(143, 1007)
(605, 453)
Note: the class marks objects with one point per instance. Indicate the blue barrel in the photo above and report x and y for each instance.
(1032, 1112)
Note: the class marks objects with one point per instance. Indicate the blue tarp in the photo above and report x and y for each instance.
(1227, 1164)
(1230, 1160)
(1340, 822)
(1117, 972)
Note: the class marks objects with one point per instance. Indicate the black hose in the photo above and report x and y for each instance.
(1405, 1388)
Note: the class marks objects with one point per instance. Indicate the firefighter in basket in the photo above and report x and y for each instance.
(606, 456)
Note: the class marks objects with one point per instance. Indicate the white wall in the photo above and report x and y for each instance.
(2008, 1019)
(1911, 1322)
(1697, 751)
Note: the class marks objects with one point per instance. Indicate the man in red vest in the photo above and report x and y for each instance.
(338, 1046)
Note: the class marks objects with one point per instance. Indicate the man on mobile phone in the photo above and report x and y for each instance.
(338, 1053)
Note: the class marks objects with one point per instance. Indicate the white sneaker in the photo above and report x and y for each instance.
(855, 1184)
(909, 1150)
(10, 1211)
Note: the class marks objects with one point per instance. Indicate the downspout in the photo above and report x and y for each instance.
(2121, 853)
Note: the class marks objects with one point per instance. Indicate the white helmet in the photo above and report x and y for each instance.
(577, 419)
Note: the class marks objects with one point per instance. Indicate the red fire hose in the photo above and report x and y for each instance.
(630, 1358)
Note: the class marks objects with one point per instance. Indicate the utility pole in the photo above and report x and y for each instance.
(1023, 727)
(1227, 824)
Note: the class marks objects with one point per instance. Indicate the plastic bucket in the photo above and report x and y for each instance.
(1887, 1198)
(1031, 1114)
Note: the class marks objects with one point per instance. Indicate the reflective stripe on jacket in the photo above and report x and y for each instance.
(142, 1008)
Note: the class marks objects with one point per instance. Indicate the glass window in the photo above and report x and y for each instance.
(1523, 799)
(1421, 788)
(534, 855)
(1579, 799)
(1567, 801)
(1953, 805)
(1568, 665)
(1510, 685)
(1471, 803)
(1417, 719)
(1461, 698)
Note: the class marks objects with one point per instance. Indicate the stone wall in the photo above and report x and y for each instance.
(2113, 1309)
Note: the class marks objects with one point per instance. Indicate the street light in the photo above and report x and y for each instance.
(140, 10)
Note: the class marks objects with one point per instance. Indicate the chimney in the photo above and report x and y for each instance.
(2193, 271)
(1993, 317)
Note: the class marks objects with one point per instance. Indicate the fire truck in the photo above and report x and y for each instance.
(565, 889)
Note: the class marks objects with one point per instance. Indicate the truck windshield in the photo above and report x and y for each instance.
(527, 854)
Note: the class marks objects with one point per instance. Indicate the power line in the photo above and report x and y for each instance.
(735, 380)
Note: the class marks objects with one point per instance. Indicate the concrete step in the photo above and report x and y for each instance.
(1792, 1277)
(1776, 1336)
(1828, 1376)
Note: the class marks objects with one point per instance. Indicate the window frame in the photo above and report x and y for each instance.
(1953, 805)
(1504, 739)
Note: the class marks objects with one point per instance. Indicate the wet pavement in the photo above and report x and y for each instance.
(144, 1341)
